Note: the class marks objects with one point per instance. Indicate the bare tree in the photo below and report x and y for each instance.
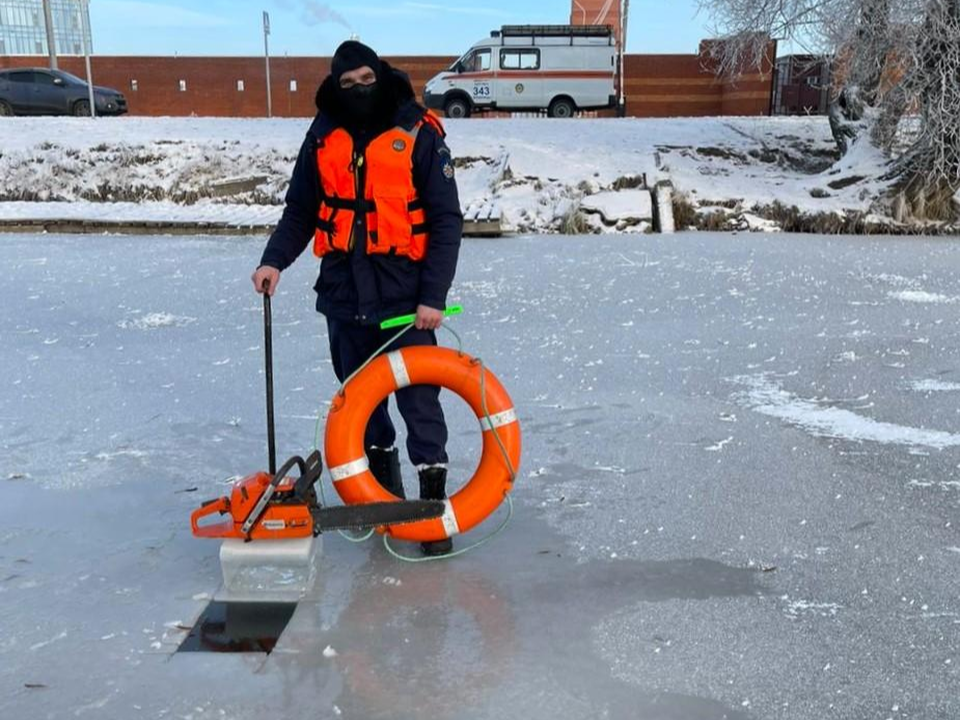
(893, 60)
(928, 174)
(856, 35)
(746, 27)
(860, 62)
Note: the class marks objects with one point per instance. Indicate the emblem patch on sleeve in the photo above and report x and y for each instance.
(446, 166)
(446, 162)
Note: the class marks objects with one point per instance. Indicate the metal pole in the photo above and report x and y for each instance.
(268, 357)
(266, 56)
(624, 19)
(51, 38)
(85, 30)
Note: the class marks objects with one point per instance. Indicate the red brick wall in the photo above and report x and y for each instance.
(212, 82)
(656, 85)
(685, 85)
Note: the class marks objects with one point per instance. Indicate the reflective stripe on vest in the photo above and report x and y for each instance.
(395, 217)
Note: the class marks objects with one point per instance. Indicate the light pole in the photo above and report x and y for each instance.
(266, 56)
(51, 38)
(85, 31)
(624, 19)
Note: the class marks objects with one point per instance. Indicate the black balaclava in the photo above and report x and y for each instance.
(360, 105)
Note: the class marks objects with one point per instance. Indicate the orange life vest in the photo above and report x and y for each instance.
(395, 218)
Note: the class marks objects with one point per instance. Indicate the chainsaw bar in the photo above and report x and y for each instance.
(371, 515)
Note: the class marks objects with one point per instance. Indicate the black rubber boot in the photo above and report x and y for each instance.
(433, 486)
(385, 466)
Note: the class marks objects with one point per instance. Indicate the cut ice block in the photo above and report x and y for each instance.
(268, 570)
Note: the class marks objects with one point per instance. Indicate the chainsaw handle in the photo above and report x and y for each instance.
(287, 467)
(308, 476)
(220, 506)
(268, 491)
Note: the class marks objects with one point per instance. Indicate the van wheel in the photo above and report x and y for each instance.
(561, 108)
(457, 108)
(5, 109)
(82, 108)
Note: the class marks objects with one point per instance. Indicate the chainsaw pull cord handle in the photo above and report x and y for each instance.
(268, 352)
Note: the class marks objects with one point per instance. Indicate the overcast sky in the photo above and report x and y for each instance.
(392, 27)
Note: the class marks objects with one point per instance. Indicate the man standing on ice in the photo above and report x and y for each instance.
(374, 189)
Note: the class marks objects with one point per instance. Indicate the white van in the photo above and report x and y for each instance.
(560, 68)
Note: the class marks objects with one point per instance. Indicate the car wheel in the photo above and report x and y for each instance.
(82, 108)
(5, 109)
(561, 108)
(457, 108)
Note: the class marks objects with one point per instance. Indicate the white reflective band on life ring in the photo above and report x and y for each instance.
(499, 420)
(399, 368)
(449, 520)
(342, 472)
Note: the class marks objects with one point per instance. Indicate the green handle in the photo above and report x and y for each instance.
(407, 319)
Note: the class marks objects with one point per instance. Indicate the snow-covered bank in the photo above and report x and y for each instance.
(236, 214)
(728, 172)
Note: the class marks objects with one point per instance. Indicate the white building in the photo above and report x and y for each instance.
(23, 32)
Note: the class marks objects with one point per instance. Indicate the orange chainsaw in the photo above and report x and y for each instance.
(273, 506)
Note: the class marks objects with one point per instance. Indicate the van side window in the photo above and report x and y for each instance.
(478, 61)
(519, 59)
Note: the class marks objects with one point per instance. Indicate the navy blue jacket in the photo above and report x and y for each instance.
(364, 288)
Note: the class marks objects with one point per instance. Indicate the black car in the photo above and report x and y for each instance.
(38, 91)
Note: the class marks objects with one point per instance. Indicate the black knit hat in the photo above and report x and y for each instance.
(352, 55)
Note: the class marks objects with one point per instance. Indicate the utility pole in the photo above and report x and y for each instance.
(85, 32)
(51, 39)
(624, 18)
(266, 56)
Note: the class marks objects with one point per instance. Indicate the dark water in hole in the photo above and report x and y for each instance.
(238, 627)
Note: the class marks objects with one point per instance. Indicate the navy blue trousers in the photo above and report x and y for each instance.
(350, 345)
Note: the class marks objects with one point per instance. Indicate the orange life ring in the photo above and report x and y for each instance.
(424, 365)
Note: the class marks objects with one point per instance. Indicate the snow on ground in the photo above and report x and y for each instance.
(766, 396)
(920, 296)
(620, 210)
(140, 159)
(132, 212)
(536, 170)
(934, 386)
(684, 546)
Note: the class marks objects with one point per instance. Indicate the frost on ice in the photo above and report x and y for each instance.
(768, 397)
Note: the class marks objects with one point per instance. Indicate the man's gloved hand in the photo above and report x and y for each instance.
(266, 277)
(428, 318)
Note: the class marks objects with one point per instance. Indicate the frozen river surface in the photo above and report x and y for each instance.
(738, 496)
